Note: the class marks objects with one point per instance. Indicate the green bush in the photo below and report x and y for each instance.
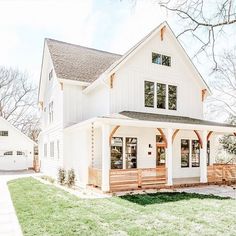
(70, 180)
(61, 176)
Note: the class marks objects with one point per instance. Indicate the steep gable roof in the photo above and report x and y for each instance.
(79, 63)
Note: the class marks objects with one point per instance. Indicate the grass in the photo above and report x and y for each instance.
(45, 210)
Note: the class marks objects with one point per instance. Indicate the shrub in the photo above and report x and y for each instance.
(61, 176)
(70, 181)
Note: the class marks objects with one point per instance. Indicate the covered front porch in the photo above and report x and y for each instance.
(130, 153)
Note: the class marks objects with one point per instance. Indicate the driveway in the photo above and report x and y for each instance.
(9, 225)
(218, 190)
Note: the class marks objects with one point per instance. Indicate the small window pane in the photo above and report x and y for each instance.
(208, 152)
(195, 153)
(8, 153)
(149, 93)
(3, 133)
(117, 153)
(172, 91)
(166, 60)
(161, 96)
(20, 153)
(131, 153)
(184, 153)
(156, 58)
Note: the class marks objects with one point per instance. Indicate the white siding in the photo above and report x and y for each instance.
(128, 89)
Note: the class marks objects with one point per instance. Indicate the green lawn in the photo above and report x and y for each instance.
(45, 210)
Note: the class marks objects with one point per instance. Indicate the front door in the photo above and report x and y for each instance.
(160, 151)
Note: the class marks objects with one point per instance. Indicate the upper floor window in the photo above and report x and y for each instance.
(50, 109)
(165, 95)
(50, 75)
(149, 93)
(8, 153)
(161, 96)
(161, 59)
(20, 153)
(172, 97)
(3, 133)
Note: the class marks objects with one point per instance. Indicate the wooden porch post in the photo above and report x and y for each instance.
(203, 158)
(169, 157)
(106, 160)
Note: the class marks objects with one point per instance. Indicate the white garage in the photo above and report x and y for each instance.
(16, 149)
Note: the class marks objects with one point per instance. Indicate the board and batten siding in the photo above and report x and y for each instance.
(128, 86)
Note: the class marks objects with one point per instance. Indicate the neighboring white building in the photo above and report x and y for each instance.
(16, 149)
(123, 120)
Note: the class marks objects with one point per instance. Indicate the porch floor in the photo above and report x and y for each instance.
(179, 181)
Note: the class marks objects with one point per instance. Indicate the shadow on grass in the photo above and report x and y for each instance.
(159, 198)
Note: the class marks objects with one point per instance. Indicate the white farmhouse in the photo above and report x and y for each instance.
(126, 121)
(16, 149)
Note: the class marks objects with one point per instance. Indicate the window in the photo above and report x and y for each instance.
(131, 153)
(58, 149)
(50, 108)
(149, 93)
(160, 151)
(50, 75)
(3, 133)
(45, 149)
(185, 151)
(156, 58)
(208, 152)
(117, 153)
(51, 149)
(8, 153)
(195, 153)
(20, 153)
(161, 59)
(166, 60)
(172, 97)
(161, 96)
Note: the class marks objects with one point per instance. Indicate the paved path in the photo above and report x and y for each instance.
(222, 191)
(9, 225)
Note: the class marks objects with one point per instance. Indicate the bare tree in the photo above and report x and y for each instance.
(18, 100)
(204, 20)
(223, 85)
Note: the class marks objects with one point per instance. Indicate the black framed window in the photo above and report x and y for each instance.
(117, 153)
(195, 153)
(3, 133)
(156, 58)
(8, 153)
(208, 152)
(172, 97)
(161, 96)
(166, 60)
(185, 152)
(149, 93)
(131, 153)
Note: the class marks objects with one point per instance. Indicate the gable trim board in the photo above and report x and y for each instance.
(116, 65)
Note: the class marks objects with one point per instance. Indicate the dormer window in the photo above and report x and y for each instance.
(161, 59)
(50, 75)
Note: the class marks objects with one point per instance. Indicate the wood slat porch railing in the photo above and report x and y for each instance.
(95, 177)
(131, 179)
(218, 173)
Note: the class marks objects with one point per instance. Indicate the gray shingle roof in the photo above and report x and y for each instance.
(166, 118)
(79, 63)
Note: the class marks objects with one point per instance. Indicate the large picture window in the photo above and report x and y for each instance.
(149, 93)
(172, 97)
(195, 153)
(131, 153)
(161, 96)
(117, 153)
(185, 151)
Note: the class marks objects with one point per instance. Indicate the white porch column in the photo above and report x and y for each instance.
(106, 160)
(169, 157)
(203, 158)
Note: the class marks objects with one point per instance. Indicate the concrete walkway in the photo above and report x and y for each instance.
(9, 225)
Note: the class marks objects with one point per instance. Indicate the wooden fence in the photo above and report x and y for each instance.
(131, 179)
(95, 177)
(218, 173)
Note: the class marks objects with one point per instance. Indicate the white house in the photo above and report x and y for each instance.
(126, 121)
(16, 149)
